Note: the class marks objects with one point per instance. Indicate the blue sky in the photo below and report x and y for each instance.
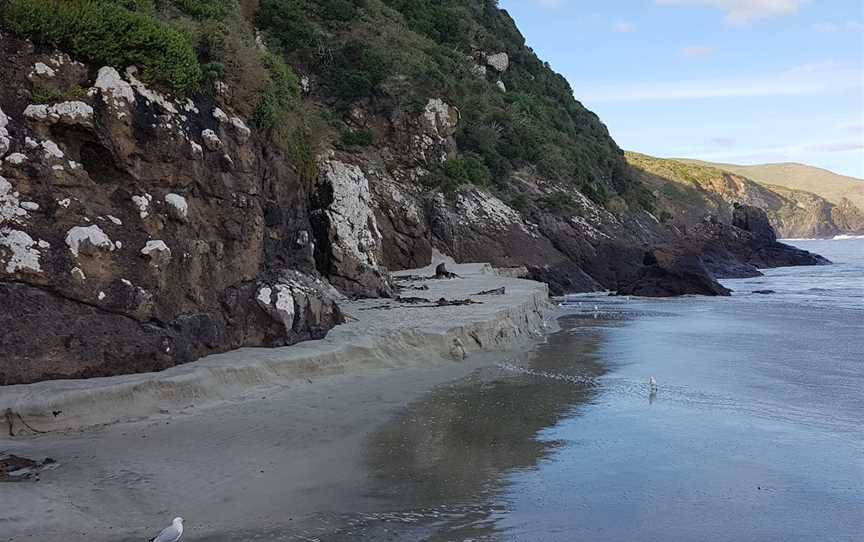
(740, 81)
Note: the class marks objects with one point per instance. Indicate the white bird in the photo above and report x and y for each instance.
(652, 383)
(171, 533)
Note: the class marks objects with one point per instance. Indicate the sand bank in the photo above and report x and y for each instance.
(380, 333)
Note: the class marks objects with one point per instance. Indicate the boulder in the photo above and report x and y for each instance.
(347, 240)
(672, 274)
(498, 61)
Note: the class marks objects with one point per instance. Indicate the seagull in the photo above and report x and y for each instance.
(652, 383)
(171, 533)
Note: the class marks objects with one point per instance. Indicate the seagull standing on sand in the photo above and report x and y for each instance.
(170, 534)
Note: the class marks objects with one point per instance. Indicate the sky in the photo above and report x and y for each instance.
(738, 81)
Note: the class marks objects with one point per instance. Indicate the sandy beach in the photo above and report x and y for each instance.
(252, 438)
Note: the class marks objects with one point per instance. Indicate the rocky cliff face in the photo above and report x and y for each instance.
(687, 191)
(138, 231)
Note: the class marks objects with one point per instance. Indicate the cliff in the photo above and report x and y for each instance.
(181, 178)
(687, 190)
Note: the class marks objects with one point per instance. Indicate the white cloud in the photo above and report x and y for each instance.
(814, 79)
(840, 146)
(743, 12)
(722, 141)
(781, 153)
(696, 51)
(851, 126)
(623, 26)
(831, 28)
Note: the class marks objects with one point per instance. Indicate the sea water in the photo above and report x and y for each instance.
(755, 430)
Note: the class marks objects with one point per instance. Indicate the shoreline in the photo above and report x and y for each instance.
(375, 337)
(275, 453)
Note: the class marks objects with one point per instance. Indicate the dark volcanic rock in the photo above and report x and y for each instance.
(755, 221)
(127, 245)
(669, 274)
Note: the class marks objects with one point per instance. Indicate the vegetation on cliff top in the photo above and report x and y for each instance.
(390, 56)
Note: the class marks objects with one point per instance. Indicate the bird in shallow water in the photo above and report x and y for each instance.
(172, 533)
(652, 383)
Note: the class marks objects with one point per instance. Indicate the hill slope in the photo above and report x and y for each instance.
(686, 190)
(829, 185)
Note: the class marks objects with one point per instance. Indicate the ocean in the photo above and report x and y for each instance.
(755, 430)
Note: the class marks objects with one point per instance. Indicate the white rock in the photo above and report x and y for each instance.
(501, 86)
(31, 143)
(157, 251)
(21, 254)
(51, 149)
(5, 142)
(4, 120)
(77, 274)
(115, 220)
(197, 150)
(243, 131)
(37, 112)
(499, 61)
(43, 70)
(305, 84)
(113, 88)
(80, 237)
(178, 206)
(441, 118)
(149, 95)
(264, 297)
(351, 213)
(74, 113)
(211, 140)
(65, 202)
(30, 205)
(285, 306)
(101, 296)
(10, 206)
(476, 207)
(219, 115)
(143, 204)
(58, 168)
(16, 158)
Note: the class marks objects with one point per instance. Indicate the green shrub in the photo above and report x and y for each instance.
(351, 138)
(287, 23)
(556, 201)
(468, 169)
(107, 33)
(204, 9)
(295, 126)
(50, 95)
(278, 96)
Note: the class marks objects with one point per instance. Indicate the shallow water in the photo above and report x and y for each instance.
(755, 431)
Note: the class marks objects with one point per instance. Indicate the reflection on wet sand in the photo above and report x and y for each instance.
(439, 468)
